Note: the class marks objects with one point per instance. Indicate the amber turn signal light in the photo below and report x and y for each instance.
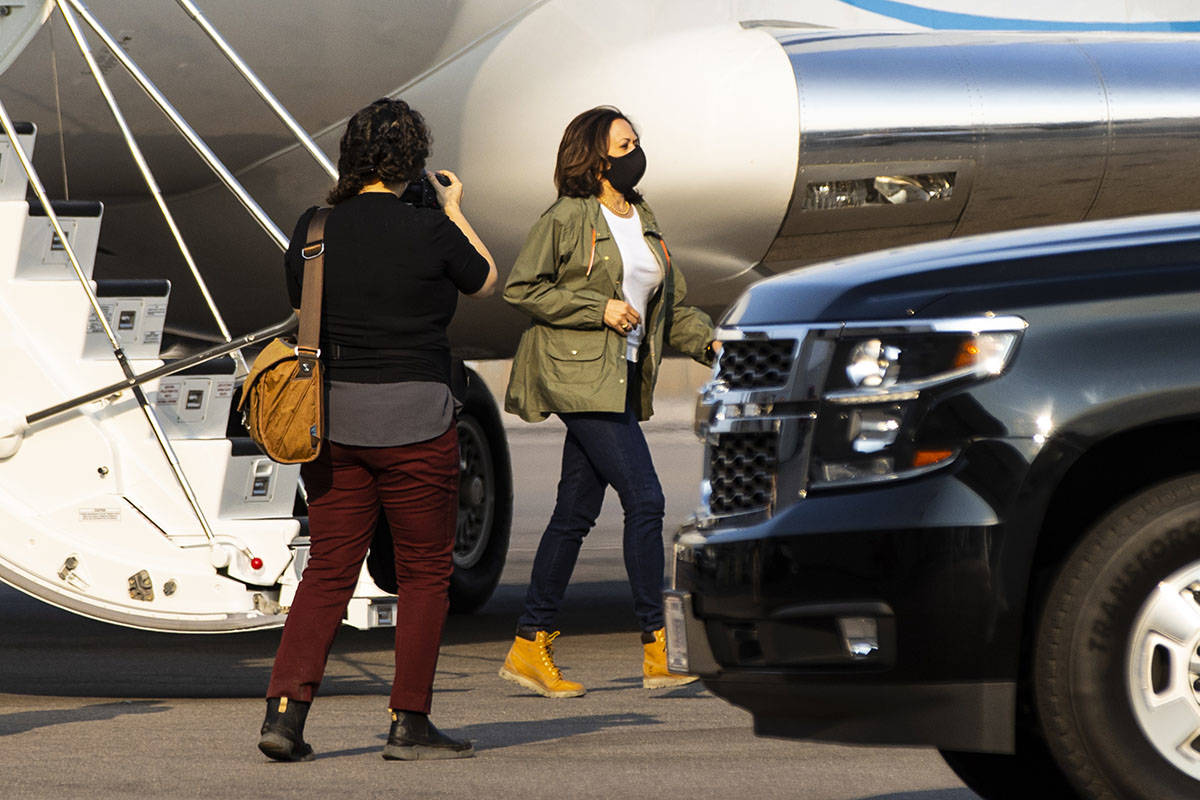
(925, 458)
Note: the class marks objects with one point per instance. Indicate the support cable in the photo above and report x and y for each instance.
(62, 135)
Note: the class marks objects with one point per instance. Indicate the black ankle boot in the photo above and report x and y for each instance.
(413, 737)
(283, 730)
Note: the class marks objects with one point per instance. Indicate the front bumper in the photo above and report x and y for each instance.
(881, 615)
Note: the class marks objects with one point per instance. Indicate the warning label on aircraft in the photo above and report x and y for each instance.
(100, 515)
(168, 392)
(94, 325)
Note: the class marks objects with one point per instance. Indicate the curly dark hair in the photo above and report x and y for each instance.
(583, 154)
(387, 141)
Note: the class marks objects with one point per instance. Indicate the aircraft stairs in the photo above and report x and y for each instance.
(130, 503)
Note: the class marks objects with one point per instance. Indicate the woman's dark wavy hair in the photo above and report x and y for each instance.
(387, 141)
(583, 154)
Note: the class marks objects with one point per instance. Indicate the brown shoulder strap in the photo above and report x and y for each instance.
(314, 282)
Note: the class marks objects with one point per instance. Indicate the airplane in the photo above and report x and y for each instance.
(778, 134)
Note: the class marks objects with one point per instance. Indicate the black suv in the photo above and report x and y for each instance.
(952, 497)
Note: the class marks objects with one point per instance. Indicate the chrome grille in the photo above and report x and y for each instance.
(742, 472)
(755, 363)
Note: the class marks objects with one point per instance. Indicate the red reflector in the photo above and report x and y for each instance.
(923, 458)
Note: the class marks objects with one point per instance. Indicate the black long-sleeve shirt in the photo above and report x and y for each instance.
(392, 277)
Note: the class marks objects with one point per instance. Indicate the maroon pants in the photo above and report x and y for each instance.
(417, 485)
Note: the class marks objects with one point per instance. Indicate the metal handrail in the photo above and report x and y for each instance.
(270, 332)
(244, 69)
(147, 175)
(131, 381)
(181, 125)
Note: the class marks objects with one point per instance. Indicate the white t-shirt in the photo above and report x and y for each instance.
(642, 272)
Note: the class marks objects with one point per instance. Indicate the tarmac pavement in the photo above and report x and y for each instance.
(94, 711)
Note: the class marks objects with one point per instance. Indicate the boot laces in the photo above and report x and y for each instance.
(548, 654)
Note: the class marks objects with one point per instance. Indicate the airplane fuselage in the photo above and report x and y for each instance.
(734, 103)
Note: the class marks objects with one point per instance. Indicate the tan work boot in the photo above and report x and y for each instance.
(530, 663)
(655, 674)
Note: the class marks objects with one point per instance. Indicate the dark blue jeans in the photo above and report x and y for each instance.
(602, 450)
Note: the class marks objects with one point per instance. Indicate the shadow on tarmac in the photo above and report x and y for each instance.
(53, 652)
(513, 733)
(928, 794)
(23, 721)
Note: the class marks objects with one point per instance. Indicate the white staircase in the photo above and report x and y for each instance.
(92, 518)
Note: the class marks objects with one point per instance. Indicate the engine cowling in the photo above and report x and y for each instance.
(914, 137)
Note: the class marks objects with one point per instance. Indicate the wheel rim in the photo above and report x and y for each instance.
(476, 494)
(1163, 669)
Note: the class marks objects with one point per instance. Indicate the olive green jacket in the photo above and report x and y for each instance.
(568, 359)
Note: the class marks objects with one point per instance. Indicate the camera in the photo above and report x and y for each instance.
(420, 192)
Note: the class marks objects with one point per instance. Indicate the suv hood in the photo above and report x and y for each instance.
(1001, 272)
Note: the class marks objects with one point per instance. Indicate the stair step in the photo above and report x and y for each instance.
(12, 175)
(244, 446)
(135, 310)
(195, 403)
(133, 287)
(369, 607)
(234, 480)
(68, 208)
(43, 257)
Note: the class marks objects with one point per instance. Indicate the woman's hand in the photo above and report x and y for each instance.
(620, 316)
(450, 195)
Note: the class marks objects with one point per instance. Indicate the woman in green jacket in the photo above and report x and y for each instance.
(596, 277)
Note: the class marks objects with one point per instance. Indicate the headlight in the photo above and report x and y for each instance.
(873, 364)
(887, 367)
(883, 381)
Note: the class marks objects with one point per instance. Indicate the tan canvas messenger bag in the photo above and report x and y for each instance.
(282, 401)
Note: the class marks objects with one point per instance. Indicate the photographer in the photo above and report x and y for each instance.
(393, 273)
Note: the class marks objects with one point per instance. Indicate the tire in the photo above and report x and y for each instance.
(482, 530)
(485, 500)
(485, 503)
(1031, 771)
(1116, 667)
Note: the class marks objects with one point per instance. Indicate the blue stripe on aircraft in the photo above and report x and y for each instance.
(949, 20)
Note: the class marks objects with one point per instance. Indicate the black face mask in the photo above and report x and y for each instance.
(624, 172)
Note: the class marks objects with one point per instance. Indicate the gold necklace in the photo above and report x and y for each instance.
(628, 212)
